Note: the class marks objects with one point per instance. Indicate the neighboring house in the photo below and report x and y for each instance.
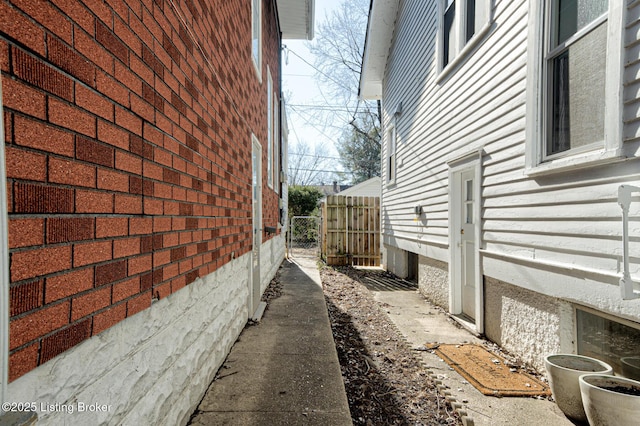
(509, 128)
(332, 189)
(143, 195)
(369, 188)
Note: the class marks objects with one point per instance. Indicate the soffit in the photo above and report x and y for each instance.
(296, 18)
(380, 26)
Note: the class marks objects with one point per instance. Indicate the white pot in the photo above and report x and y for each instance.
(563, 371)
(610, 400)
(631, 367)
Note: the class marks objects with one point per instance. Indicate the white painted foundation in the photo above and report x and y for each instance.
(154, 367)
(433, 281)
(395, 261)
(271, 256)
(527, 324)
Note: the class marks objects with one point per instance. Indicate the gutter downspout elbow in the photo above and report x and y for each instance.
(626, 283)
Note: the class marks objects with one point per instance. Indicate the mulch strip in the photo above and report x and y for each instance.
(386, 383)
(490, 373)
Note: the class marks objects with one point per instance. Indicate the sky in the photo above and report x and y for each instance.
(302, 91)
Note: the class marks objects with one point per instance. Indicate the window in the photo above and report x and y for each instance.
(468, 201)
(391, 154)
(269, 129)
(276, 141)
(461, 21)
(256, 36)
(470, 18)
(616, 342)
(575, 68)
(573, 101)
(448, 40)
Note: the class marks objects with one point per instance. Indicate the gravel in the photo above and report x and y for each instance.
(385, 383)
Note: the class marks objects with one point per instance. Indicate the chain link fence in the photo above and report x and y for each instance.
(304, 236)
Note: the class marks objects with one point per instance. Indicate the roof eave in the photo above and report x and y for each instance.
(297, 18)
(380, 26)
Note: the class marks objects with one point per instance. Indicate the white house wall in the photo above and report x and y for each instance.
(469, 110)
(568, 223)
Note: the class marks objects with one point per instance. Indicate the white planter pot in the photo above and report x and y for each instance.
(631, 367)
(610, 400)
(563, 371)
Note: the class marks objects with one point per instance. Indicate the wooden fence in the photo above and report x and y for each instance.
(351, 230)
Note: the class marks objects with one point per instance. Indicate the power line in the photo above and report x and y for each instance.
(314, 126)
(335, 108)
(339, 83)
(303, 111)
(297, 75)
(323, 171)
(317, 156)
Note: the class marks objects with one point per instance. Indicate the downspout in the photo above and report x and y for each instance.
(4, 265)
(626, 283)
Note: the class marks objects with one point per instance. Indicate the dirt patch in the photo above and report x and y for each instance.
(273, 290)
(385, 383)
(633, 391)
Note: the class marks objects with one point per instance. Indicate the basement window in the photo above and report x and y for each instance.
(614, 341)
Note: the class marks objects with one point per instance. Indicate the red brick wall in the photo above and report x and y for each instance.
(128, 144)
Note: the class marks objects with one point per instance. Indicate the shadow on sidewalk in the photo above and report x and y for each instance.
(371, 399)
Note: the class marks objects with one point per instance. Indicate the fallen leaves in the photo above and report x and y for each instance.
(385, 382)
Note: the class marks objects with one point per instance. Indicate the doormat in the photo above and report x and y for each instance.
(489, 373)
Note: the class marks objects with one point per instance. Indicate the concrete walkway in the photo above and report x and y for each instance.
(420, 322)
(284, 370)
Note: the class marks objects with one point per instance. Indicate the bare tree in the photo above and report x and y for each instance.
(338, 50)
(310, 165)
(360, 151)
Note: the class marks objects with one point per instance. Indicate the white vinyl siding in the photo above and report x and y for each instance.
(567, 225)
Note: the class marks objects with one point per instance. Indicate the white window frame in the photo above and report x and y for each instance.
(4, 265)
(256, 36)
(462, 47)
(269, 128)
(537, 102)
(391, 158)
(276, 142)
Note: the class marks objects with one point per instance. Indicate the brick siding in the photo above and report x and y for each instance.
(128, 144)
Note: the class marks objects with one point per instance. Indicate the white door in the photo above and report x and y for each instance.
(256, 191)
(467, 246)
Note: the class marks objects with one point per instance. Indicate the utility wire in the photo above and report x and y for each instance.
(314, 126)
(335, 108)
(301, 112)
(339, 83)
(323, 171)
(313, 155)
